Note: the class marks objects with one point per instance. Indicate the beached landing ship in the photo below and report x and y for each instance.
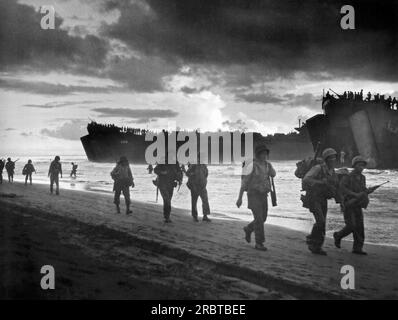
(354, 125)
(106, 143)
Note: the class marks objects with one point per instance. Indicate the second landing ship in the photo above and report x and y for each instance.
(353, 125)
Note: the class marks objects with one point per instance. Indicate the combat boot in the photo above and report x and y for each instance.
(247, 234)
(337, 241)
(260, 246)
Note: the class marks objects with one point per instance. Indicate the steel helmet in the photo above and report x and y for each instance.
(357, 160)
(123, 159)
(261, 148)
(328, 152)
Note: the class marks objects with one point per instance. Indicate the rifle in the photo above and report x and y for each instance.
(157, 193)
(317, 149)
(374, 188)
(273, 193)
(363, 201)
(335, 93)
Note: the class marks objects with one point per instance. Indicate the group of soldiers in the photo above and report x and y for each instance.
(169, 177)
(320, 182)
(9, 165)
(54, 172)
(350, 95)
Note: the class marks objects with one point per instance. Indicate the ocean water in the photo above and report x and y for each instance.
(381, 217)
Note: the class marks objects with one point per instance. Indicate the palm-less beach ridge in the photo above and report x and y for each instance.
(99, 254)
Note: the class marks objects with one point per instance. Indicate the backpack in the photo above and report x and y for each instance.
(304, 166)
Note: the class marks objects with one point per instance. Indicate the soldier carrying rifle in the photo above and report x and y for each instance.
(320, 184)
(169, 177)
(257, 182)
(356, 197)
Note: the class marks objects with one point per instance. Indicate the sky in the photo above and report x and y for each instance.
(220, 64)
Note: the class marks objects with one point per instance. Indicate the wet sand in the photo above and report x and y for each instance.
(98, 254)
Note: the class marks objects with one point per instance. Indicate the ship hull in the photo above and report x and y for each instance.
(109, 147)
(369, 129)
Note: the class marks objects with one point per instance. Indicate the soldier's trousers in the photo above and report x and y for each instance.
(28, 176)
(166, 191)
(195, 194)
(54, 179)
(353, 218)
(1, 177)
(258, 204)
(126, 194)
(319, 208)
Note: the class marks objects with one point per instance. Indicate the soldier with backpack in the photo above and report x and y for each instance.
(197, 181)
(169, 176)
(2, 164)
(355, 193)
(53, 172)
(256, 181)
(27, 171)
(123, 180)
(74, 170)
(320, 184)
(10, 168)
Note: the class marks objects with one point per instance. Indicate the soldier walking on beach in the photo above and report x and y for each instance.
(53, 172)
(27, 171)
(10, 168)
(123, 180)
(355, 194)
(197, 181)
(321, 184)
(2, 164)
(169, 176)
(256, 182)
(74, 170)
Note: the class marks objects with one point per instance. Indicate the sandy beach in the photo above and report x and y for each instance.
(98, 254)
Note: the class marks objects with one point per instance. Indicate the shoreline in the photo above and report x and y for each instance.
(271, 214)
(286, 270)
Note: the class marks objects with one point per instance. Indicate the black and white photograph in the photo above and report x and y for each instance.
(198, 155)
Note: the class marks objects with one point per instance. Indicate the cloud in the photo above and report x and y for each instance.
(50, 105)
(238, 125)
(51, 89)
(259, 98)
(71, 130)
(25, 44)
(10, 129)
(25, 134)
(190, 90)
(303, 100)
(276, 38)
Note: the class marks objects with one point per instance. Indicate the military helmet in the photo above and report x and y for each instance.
(123, 159)
(57, 158)
(328, 152)
(357, 160)
(261, 148)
